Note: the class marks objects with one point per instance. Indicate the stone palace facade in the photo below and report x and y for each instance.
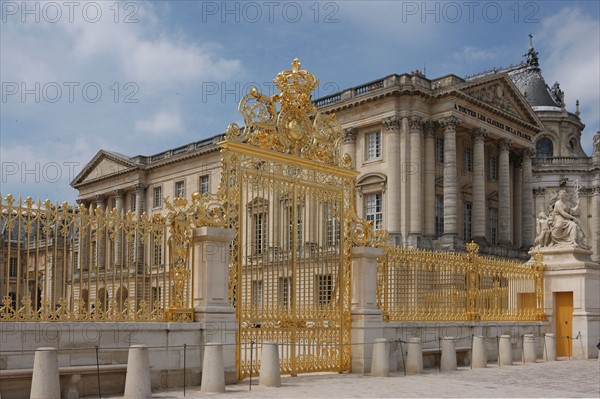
(442, 161)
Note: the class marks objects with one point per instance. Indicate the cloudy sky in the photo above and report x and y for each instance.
(142, 77)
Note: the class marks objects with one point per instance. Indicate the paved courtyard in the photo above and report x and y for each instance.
(564, 378)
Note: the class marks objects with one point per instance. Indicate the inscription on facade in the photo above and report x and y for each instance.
(491, 121)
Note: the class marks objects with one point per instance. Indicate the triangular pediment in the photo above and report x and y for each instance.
(103, 165)
(499, 92)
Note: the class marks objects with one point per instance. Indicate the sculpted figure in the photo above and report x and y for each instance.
(544, 235)
(565, 228)
(597, 143)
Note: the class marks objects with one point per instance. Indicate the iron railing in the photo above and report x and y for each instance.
(420, 285)
(72, 263)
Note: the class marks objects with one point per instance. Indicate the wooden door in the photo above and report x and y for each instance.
(564, 323)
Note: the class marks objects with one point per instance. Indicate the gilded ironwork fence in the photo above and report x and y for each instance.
(72, 263)
(291, 201)
(419, 285)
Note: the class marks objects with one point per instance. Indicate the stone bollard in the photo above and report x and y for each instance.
(269, 365)
(448, 360)
(380, 364)
(213, 369)
(529, 352)
(550, 347)
(478, 355)
(45, 383)
(137, 380)
(505, 355)
(414, 360)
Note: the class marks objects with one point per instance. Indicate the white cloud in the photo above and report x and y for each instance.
(571, 40)
(472, 54)
(161, 124)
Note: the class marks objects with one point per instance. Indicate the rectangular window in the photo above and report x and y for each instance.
(257, 292)
(155, 296)
(157, 197)
(332, 226)
(260, 233)
(373, 145)
(285, 285)
(203, 184)
(467, 220)
(324, 286)
(493, 233)
(439, 215)
(493, 168)
(158, 250)
(294, 224)
(439, 151)
(374, 209)
(133, 202)
(468, 160)
(180, 189)
(12, 272)
(13, 300)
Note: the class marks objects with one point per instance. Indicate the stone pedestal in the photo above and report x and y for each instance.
(211, 301)
(137, 382)
(213, 371)
(571, 269)
(380, 366)
(479, 355)
(505, 351)
(529, 348)
(448, 360)
(45, 382)
(550, 347)
(414, 359)
(269, 365)
(367, 321)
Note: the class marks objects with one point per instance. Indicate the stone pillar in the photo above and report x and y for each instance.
(550, 347)
(101, 233)
(504, 216)
(380, 366)
(367, 321)
(213, 371)
(479, 221)
(529, 350)
(448, 359)
(595, 222)
(414, 358)
(137, 381)
(140, 190)
(429, 170)
(478, 353)
(349, 144)
(269, 365)
(45, 382)
(391, 128)
(517, 187)
(415, 231)
(118, 238)
(211, 301)
(505, 353)
(450, 237)
(528, 231)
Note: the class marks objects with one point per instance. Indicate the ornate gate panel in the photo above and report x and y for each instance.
(291, 200)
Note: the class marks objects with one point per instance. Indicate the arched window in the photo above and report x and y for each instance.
(544, 148)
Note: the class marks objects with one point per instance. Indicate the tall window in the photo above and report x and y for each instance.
(156, 291)
(324, 286)
(439, 150)
(439, 215)
(157, 254)
(373, 145)
(467, 220)
(332, 226)
(257, 292)
(157, 197)
(133, 202)
(203, 184)
(260, 233)
(493, 233)
(544, 148)
(493, 168)
(468, 159)
(12, 272)
(285, 285)
(294, 224)
(374, 209)
(180, 189)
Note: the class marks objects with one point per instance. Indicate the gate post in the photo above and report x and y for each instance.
(211, 300)
(367, 320)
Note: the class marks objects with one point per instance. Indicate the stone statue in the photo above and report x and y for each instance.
(544, 235)
(558, 94)
(565, 228)
(597, 143)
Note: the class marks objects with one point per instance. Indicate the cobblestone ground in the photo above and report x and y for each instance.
(565, 378)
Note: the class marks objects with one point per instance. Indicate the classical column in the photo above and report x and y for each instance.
(349, 144)
(140, 190)
(528, 232)
(450, 237)
(391, 127)
(429, 170)
(416, 199)
(118, 238)
(517, 187)
(478, 222)
(504, 193)
(101, 232)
